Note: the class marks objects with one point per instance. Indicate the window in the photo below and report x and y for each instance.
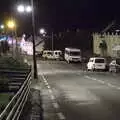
(99, 60)
(74, 53)
(91, 60)
(55, 53)
(118, 61)
(49, 53)
(66, 52)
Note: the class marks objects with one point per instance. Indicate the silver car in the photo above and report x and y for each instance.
(114, 66)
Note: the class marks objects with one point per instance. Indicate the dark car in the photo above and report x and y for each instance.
(114, 66)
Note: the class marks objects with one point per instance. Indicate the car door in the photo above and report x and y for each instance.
(113, 65)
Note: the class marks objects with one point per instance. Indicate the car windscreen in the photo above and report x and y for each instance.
(74, 53)
(99, 60)
(49, 53)
(118, 61)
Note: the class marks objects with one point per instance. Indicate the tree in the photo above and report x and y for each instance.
(103, 47)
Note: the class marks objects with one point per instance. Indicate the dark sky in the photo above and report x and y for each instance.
(62, 14)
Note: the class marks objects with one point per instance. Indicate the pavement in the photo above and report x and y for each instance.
(69, 93)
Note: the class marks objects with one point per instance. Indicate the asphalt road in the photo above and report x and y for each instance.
(69, 93)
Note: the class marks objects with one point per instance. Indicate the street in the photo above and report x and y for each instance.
(69, 93)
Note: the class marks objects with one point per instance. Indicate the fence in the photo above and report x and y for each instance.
(14, 108)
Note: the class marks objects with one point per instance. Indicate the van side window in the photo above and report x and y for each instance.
(66, 52)
(114, 62)
(91, 60)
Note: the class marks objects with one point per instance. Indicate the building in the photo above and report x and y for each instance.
(112, 42)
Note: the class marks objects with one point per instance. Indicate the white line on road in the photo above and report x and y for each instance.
(55, 105)
(48, 87)
(110, 85)
(103, 82)
(45, 81)
(46, 84)
(61, 116)
(50, 91)
(52, 97)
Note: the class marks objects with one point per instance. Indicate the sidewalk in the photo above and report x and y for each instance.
(33, 108)
(39, 105)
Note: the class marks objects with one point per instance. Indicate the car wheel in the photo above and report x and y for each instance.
(68, 62)
(88, 69)
(93, 69)
(110, 70)
(115, 70)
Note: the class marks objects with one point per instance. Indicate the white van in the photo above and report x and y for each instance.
(57, 54)
(96, 63)
(48, 54)
(72, 55)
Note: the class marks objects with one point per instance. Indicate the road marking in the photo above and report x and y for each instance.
(48, 87)
(45, 81)
(118, 88)
(50, 91)
(55, 105)
(52, 97)
(61, 116)
(110, 85)
(103, 82)
(46, 84)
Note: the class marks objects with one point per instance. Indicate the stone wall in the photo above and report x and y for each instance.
(112, 40)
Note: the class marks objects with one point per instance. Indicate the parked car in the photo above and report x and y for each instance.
(57, 54)
(114, 66)
(96, 63)
(48, 54)
(54, 55)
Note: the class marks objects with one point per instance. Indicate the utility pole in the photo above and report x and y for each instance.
(33, 36)
(52, 41)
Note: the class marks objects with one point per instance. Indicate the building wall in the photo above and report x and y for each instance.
(111, 39)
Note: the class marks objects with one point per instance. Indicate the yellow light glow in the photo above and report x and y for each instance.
(11, 24)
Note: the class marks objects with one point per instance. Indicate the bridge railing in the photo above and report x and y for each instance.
(14, 108)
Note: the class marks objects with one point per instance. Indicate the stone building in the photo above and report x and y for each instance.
(112, 42)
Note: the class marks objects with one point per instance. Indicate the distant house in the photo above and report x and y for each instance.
(112, 42)
(27, 46)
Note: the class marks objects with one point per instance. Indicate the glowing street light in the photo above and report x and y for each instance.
(11, 24)
(2, 26)
(42, 31)
(21, 8)
(24, 8)
(28, 9)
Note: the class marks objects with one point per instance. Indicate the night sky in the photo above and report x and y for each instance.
(63, 14)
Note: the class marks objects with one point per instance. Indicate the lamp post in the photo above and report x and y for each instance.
(33, 28)
(28, 9)
(12, 25)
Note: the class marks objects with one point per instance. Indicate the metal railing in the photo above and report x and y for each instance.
(14, 108)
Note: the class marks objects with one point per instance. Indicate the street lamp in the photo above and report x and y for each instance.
(2, 26)
(42, 31)
(28, 9)
(11, 24)
(21, 8)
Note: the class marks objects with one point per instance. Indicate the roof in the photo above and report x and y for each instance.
(72, 49)
(97, 58)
